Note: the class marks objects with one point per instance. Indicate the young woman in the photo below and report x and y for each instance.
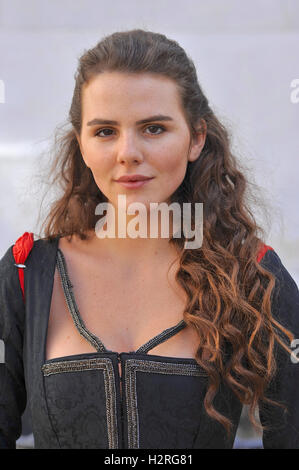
(142, 342)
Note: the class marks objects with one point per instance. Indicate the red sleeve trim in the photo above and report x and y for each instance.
(262, 251)
(21, 250)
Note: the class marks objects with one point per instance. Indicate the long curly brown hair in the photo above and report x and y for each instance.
(228, 291)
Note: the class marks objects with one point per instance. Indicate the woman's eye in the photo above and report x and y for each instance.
(155, 128)
(106, 132)
(103, 130)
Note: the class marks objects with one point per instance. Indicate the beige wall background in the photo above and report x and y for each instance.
(246, 54)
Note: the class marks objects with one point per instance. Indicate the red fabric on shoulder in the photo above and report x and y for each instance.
(262, 251)
(21, 250)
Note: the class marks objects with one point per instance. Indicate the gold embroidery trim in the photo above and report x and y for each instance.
(109, 380)
(139, 365)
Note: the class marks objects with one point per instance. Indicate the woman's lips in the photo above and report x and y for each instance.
(134, 184)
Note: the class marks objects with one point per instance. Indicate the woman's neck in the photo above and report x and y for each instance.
(137, 251)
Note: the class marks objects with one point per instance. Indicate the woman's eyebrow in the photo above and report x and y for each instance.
(158, 117)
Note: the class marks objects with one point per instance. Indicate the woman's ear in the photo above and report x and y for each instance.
(198, 141)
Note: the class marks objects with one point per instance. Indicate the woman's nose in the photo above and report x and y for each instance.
(129, 149)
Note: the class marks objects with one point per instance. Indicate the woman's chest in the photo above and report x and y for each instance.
(124, 312)
(90, 406)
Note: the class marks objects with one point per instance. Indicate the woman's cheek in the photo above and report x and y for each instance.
(100, 166)
(175, 163)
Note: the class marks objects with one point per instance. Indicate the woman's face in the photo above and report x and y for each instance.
(133, 124)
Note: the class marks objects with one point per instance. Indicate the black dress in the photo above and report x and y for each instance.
(77, 402)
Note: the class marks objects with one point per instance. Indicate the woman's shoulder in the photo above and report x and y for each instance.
(35, 253)
(35, 256)
(271, 261)
(285, 298)
(26, 251)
